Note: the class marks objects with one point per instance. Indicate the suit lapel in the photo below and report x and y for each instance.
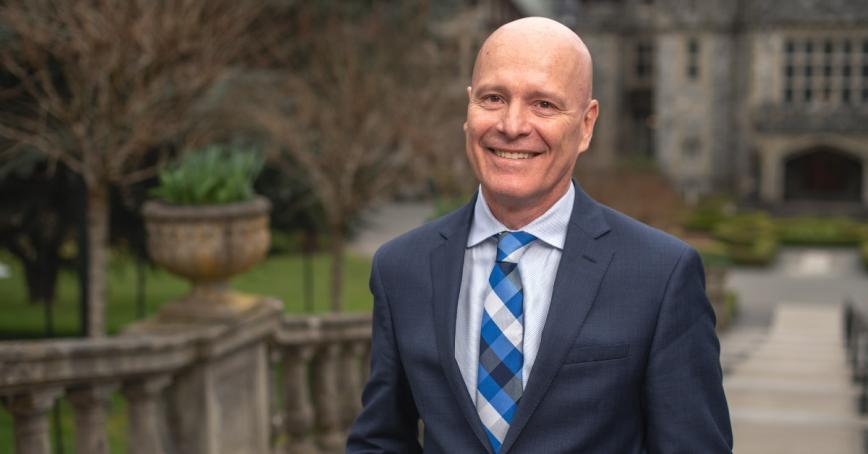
(583, 264)
(447, 264)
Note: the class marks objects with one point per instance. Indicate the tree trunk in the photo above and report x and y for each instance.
(34, 282)
(307, 251)
(337, 246)
(49, 267)
(97, 235)
(41, 277)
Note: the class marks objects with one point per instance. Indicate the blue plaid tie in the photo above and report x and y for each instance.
(499, 381)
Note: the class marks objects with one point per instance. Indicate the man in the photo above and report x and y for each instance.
(535, 320)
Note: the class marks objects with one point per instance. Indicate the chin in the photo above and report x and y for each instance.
(513, 191)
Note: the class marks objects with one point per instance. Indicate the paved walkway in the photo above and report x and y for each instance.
(809, 274)
(789, 387)
(389, 221)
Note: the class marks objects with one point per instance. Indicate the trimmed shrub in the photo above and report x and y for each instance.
(863, 245)
(819, 231)
(750, 238)
(709, 212)
(714, 254)
(863, 251)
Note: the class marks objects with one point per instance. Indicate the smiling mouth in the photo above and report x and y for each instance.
(511, 154)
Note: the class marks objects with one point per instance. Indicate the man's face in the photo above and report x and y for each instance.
(528, 119)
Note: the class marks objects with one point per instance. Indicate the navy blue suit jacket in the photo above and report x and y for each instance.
(628, 361)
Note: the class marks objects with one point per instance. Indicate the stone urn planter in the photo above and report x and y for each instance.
(207, 245)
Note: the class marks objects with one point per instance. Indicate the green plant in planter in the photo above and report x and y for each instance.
(216, 174)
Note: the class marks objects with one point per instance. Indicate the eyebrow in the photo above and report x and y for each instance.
(533, 94)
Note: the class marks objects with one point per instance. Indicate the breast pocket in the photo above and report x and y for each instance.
(590, 353)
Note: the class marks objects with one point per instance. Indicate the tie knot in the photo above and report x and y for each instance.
(511, 245)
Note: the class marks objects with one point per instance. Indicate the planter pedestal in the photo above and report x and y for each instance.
(206, 304)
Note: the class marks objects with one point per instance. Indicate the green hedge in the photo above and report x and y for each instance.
(820, 231)
(714, 254)
(753, 238)
(709, 212)
(750, 239)
(863, 250)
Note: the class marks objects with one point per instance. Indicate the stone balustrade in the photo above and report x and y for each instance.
(263, 382)
(324, 362)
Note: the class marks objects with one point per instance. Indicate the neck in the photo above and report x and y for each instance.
(515, 214)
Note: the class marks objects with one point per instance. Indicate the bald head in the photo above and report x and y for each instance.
(529, 116)
(544, 41)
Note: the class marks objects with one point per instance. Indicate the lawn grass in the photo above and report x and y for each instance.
(278, 276)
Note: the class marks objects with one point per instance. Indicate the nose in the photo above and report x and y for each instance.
(514, 122)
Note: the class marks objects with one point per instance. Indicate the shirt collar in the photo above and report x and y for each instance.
(551, 227)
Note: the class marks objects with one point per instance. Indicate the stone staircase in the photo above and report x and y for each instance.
(789, 388)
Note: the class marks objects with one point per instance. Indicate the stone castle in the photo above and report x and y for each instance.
(767, 99)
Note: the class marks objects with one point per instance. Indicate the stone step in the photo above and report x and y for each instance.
(733, 383)
(802, 379)
(789, 366)
(760, 433)
(790, 391)
(843, 405)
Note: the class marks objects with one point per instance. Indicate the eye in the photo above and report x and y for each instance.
(546, 105)
(492, 99)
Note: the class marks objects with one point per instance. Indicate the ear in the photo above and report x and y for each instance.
(469, 91)
(588, 122)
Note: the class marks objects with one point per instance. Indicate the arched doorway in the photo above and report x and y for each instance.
(823, 174)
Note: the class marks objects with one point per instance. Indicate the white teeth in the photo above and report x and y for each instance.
(511, 155)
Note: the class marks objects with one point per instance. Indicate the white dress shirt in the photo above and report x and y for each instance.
(538, 267)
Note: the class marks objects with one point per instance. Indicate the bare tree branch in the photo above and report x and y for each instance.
(104, 82)
(359, 107)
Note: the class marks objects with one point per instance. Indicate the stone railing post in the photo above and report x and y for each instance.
(327, 397)
(90, 405)
(219, 403)
(299, 419)
(30, 418)
(351, 380)
(146, 425)
(366, 363)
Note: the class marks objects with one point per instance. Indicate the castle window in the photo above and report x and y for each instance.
(865, 71)
(825, 70)
(692, 58)
(644, 60)
(691, 147)
(789, 71)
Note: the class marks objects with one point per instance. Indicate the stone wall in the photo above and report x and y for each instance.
(713, 132)
(260, 383)
(694, 113)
